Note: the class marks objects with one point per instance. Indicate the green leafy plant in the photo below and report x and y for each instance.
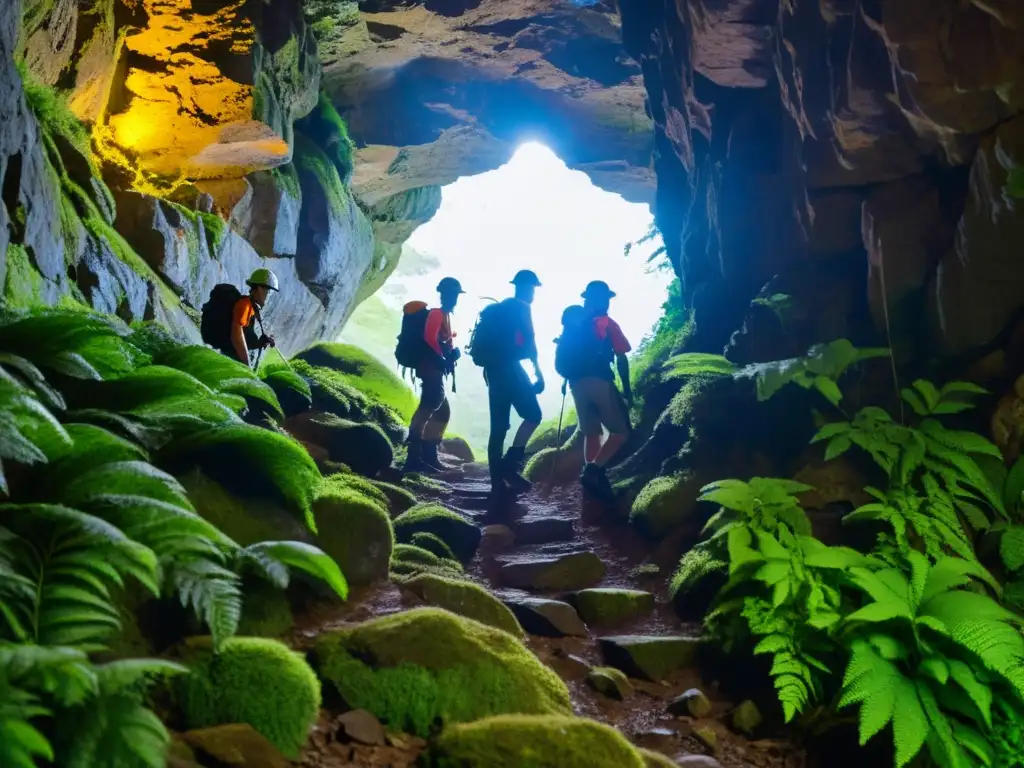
(929, 657)
(89, 426)
(819, 369)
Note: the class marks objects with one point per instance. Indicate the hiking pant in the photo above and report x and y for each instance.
(433, 412)
(598, 404)
(508, 387)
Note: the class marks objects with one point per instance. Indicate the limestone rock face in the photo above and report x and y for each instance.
(879, 135)
(438, 91)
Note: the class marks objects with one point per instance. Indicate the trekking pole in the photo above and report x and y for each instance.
(558, 434)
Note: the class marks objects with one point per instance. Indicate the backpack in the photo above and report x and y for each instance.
(215, 325)
(412, 347)
(578, 351)
(492, 339)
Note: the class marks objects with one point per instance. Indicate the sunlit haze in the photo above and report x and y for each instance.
(532, 213)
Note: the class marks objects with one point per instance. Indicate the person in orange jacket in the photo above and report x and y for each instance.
(436, 360)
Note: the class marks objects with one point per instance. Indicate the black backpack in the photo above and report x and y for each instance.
(411, 347)
(578, 351)
(492, 339)
(215, 325)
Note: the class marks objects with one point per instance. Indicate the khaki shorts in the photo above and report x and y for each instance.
(598, 403)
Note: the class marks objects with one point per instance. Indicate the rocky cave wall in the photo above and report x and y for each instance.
(851, 154)
(213, 147)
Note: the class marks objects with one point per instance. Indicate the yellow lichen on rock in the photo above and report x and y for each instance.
(180, 113)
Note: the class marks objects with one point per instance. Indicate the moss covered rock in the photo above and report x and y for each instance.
(399, 499)
(547, 434)
(464, 598)
(654, 759)
(459, 448)
(610, 682)
(557, 465)
(246, 521)
(664, 504)
(518, 741)
(266, 611)
(408, 560)
(604, 607)
(432, 543)
(424, 666)
(354, 528)
(365, 373)
(461, 536)
(650, 657)
(363, 447)
(252, 680)
(577, 570)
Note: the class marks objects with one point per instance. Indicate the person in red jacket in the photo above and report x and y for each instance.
(429, 422)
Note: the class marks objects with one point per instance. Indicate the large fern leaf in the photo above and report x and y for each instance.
(26, 427)
(212, 591)
(72, 558)
(270, 556)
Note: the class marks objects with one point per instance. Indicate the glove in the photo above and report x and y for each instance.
(267, 341)
(455, 356)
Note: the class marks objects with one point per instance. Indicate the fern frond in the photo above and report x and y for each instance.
(72, 558)
(19, 368)
(305, 557)
(220, 373)
(63, 674)
(212, 592)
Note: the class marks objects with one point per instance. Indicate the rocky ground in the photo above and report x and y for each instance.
(595, 610)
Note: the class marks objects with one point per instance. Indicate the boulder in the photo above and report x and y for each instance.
(355, 529)
(691, 702)
(746, 717)
(363, 447)
(432, 544)
(564, 572)
(543, 530)
(548, 618)
(459, 448)
(515, 741)
(409, 560)
(652, 657)
(610, 682)
(236, 744)
(496, 538)
(465, 599)
(255, 681)
(604, 607)
(664, 504)
(362, 727)
(461, 536)
(414, 668)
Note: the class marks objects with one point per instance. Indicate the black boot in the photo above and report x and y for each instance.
(414, 459)
(429, 455)
(594, 480)
(512, 465)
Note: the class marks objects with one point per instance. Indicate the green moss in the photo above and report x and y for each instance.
(608, 607)
(23, 285)
(325, 127)
(682, 408)
(332, 392)
(256, 681)
(246, 521)
(286, 179)
(361, 446)
(461, 536)
(364, 373)
(310, 158)
(424, 484)
(266, 612)
(426, 666)
(464, 598)
(664, 504)
(53, 113)
(399, 498)
(213, 226)
(432, 543)
(410, 560)
(547, 434)
(517, 741)
(355, 528)
(654, 759)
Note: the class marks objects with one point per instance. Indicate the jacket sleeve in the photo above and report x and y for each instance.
(432, 331)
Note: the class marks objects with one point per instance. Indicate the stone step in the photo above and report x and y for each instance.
(547, 618)
(649, 657)
(577, 570)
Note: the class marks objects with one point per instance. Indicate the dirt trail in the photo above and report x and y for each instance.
(558, 522)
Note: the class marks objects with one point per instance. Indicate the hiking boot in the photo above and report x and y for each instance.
(511, 467)
(594, 480)
(429, 455)
(499, 488)
(414, 459)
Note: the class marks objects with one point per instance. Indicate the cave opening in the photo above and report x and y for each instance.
(531, 213)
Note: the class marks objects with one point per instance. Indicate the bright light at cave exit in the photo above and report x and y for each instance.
(532, 213)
